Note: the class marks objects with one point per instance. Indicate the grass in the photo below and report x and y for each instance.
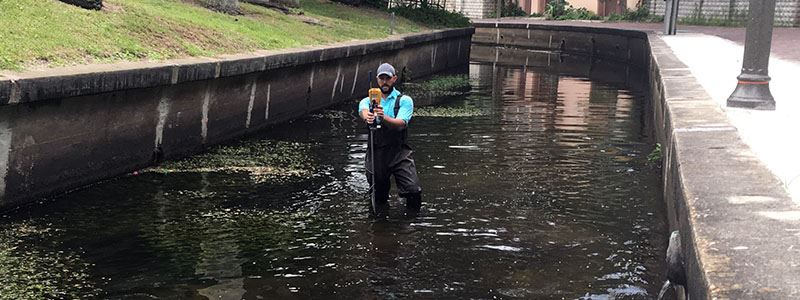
(49, 33)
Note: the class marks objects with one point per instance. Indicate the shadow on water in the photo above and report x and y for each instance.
(536, 185)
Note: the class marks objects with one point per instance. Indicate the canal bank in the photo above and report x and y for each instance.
(737, 221)
(64, 128)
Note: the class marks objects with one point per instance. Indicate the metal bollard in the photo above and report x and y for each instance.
(671, 17)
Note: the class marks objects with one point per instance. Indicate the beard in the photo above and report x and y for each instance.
(386, 88)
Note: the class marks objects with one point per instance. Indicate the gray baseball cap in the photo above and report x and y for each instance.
(386, 69)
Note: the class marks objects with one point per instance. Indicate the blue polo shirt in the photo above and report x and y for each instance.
(406, 106)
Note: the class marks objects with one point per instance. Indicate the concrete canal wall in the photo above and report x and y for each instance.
(61, 129)
(739, 228)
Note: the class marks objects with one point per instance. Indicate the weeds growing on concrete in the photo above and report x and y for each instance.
(655, 156)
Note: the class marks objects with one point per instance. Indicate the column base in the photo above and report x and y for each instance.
(752, 95)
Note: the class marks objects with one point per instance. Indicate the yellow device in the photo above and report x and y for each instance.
(375, 101)
(375, 96)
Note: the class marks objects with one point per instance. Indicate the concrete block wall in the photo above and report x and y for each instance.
(64, 128)
(787, 12)
(473, 9)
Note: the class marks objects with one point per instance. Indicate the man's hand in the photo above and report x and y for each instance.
(370, 116)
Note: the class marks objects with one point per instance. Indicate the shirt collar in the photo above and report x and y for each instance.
(393, 94)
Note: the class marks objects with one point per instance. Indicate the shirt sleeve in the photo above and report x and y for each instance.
(364, 104)
(406, 109)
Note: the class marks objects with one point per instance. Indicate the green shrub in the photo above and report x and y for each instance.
(640, 14)
(561, 10)
(431, 16)
(509, 9)
(225, 6)
(88, 4)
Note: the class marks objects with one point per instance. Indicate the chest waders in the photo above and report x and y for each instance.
(389, 154)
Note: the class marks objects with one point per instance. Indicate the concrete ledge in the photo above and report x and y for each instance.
(625, 46)
(87, 80)
(70, 82)
(563, 28)
(738, 224)
(423, 38)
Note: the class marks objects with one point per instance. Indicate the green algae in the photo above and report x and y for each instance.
(264, 160)
(448, 112)
(29, 271)
(438, 86)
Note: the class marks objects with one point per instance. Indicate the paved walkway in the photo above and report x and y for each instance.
(714, 55)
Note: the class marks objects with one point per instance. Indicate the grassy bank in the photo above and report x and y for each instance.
(48, 33)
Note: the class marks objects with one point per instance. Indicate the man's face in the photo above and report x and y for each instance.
(386, 83)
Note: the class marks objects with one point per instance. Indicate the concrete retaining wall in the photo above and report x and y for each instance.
(739, 228)
(61, 129)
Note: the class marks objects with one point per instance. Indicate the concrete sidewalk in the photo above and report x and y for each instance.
(714, 57)
(772, 135)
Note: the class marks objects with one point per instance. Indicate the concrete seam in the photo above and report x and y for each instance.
(217, 69)
(336, 81)
(163, 112)
(355, 78)
(311, 79)
(204, 120)
(250, 104)
(341, 84)
(16, 92)
(433, 58)
(5, 149)
(174, 77)
(266, 111)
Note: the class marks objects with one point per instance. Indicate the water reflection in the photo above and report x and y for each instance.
(544, 194)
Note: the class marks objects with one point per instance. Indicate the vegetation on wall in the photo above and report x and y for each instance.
(430, 15)
(562, 10)
(510, 9)
(640, 14)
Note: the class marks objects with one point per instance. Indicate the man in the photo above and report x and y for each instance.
(391, 150)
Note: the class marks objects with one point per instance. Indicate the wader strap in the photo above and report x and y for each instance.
(397, 105)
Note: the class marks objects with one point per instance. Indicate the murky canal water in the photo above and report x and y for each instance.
(536, 185)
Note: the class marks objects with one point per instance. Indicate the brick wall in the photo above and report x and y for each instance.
(787, 12)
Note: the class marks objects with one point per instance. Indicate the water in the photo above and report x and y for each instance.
(536, 185)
